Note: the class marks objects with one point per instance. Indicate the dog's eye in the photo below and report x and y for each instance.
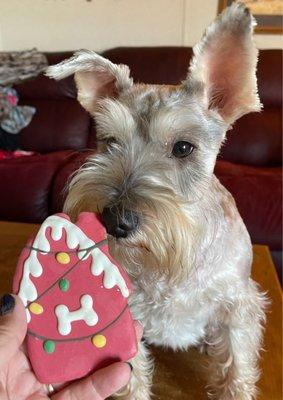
(182, 149)
(110, 141)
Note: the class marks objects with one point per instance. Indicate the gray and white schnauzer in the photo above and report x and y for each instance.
(172, 225)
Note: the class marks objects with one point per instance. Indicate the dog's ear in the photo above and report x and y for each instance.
(95, 76)
(223, 68)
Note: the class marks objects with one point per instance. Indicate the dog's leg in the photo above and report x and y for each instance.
(140, 383)
(235, 348)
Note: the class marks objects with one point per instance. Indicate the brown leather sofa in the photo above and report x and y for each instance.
(61, 132)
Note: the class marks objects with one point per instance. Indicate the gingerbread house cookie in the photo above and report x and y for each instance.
(76, 299)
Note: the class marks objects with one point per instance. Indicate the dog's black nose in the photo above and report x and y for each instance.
(119, 223)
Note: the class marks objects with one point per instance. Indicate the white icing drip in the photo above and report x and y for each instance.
(101, 263)
(32, 266)
(75, 237)
(85, 313)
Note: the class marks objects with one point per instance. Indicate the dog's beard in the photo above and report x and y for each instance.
(163, 244)
(165, 239)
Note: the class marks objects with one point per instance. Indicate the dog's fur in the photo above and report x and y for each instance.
(190, 258)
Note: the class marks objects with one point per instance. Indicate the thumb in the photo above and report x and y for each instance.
(13, 327)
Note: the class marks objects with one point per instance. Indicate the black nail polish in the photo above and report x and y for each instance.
(130, 365)
(7, 304)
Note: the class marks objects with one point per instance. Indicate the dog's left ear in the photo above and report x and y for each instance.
(223, 69)
(95, 76)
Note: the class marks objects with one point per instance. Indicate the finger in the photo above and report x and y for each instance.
(139, 330)
(99, 385)
(13, 327)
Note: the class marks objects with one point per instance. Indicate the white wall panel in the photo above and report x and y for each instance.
(54, 25)
(99, 24)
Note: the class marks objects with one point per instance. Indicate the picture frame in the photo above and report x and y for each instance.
(268, 20)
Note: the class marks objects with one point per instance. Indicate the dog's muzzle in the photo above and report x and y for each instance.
(120, 223)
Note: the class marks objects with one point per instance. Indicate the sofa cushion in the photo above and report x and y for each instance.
(26, 186)
(258, 195)
(60, 122)
(159, 65)
(43, 87)
(269, 72)
(256, 139)
(56, 125)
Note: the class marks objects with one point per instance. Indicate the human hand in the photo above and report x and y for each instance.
(17, 380)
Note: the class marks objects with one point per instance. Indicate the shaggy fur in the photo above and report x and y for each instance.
(190, 258)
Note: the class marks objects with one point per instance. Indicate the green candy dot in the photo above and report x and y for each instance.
(49, 346)
(64, 285)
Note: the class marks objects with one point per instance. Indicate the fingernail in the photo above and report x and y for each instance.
(7, 304)
(130, 365)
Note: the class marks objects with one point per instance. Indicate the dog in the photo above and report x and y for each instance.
(171, 224)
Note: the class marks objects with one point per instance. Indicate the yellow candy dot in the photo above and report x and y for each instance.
(99, 341)
(35, 308)
(63, 258)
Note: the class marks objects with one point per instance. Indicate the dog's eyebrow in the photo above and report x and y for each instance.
(176, 121)
(114, 119)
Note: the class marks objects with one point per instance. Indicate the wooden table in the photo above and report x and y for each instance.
(180, 375)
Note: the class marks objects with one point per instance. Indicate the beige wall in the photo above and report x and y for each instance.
(101, 24)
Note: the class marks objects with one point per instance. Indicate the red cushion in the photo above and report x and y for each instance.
(26, 186)
(159, 65)
(56, 125)
(258, 195)
(256, 139)
(269, 73)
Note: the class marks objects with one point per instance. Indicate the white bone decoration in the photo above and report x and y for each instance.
(85, 313)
